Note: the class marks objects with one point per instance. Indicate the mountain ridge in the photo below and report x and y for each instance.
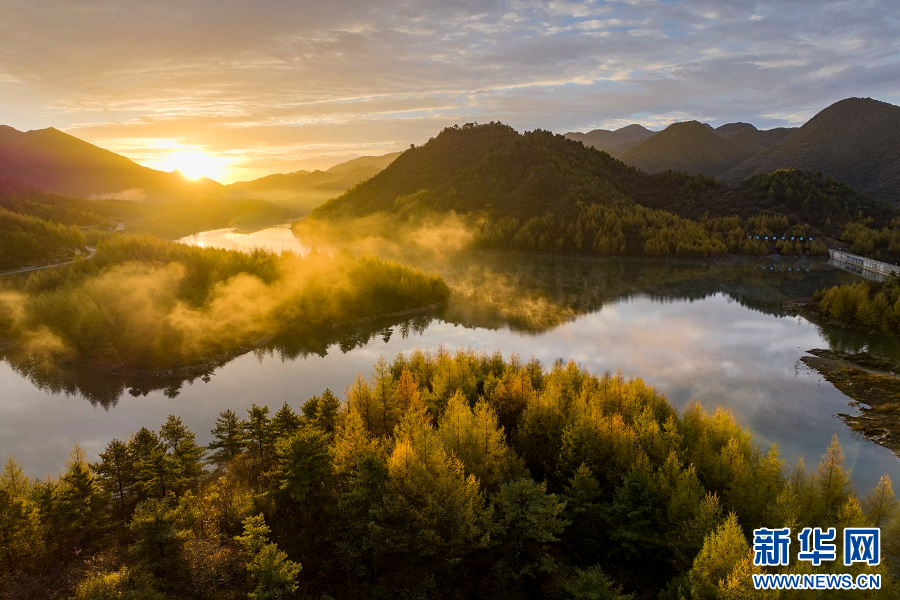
(53, 161)
(856, 140)
(690, 147)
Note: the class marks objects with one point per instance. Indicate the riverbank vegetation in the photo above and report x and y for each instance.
(442, 475)
(148, 304)
(864, 305)
(868, 239)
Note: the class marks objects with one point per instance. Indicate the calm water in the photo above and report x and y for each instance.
(277, 239)
(707, 332)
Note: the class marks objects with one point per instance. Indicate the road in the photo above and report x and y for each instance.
(91, 251)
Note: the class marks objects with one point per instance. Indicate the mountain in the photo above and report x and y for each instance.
(690, 147)
(494, 169)
(614, 142)
(729, 130)
(856, 141)
(490, 167)
(756, 139)
(364, 162)
(544, 192)
(52, 161)
(304, 190)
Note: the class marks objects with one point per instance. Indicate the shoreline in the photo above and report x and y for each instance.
(208, 365)
(872, 384)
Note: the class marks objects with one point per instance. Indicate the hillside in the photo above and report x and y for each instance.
(539, 191)
(856, 141)
(614, 142)
(748, 136)
(49, 160)
(478, 167)
(690, 147)
(304, 190)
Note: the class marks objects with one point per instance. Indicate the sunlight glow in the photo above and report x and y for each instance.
(194, 164)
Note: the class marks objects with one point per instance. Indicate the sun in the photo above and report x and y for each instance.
(193, 164)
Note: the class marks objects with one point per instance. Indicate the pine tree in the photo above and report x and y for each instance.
(322, 411)
(80, 502)
(304, 471)
(284, 423)
(116, 472)
(185, 456)
(722, 550)
(881, 505)
(153, 471)
(18, 533)
(832, 481)
(274, 573)
(228, 443)
(258, 441)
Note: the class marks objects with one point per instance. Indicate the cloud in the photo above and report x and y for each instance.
(287, 77)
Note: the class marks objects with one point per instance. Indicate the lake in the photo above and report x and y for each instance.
(699, 331)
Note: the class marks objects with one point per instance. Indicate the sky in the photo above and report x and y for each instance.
(246, 89)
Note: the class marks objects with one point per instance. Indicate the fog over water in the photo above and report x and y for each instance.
(713, 333)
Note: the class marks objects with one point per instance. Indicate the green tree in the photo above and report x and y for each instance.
(322, 411)
(722, 550)
(304, 471)
(529, 521)
(284, 422)
(19, 531)
(116, 473)
(186, 457)
(153, 471)
(158, 539)
(81, 505)
(228, 443)
(273, 572)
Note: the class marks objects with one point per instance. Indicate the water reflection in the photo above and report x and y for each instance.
(277, 239)
(716, 333)
(105, 389)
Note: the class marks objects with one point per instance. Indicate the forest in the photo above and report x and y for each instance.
(38, 228)
(864, 305)
(441, 475)
(145, 303)
(26, 240)
(539, 191)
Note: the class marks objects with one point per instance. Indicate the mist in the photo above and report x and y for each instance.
(144, 303)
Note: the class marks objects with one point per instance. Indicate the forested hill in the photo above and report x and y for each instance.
(492, 167)
(690, 147)
(540, 191)
(856, 140)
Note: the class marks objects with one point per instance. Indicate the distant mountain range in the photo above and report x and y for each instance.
(49, 160)
(304, 190)
(689, 147)
(614, 142)
(52, 161)
(856, 141)
(540, 191)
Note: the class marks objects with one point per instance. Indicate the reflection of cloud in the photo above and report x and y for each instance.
(230, 75)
